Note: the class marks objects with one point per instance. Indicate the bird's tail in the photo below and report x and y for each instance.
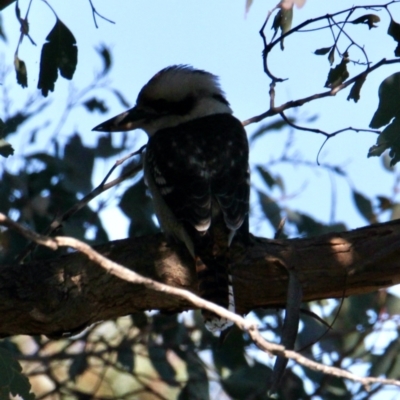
(215, 282)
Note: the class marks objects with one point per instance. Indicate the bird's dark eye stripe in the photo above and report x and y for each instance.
(220, 98)
(163, 106)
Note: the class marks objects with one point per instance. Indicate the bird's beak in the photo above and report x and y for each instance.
(127, 121)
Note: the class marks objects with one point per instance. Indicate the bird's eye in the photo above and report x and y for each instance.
(163, 106)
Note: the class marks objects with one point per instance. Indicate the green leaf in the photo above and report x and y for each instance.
(12, 381)
(395, 212)
(338, 74)
(394, 32)
(283, 20)
(389, 101)
(22, 74)
(322, 51)
(385, 362)
(392, 304)
(368, 19)
(356, 89)
(59, 53)
(389, 138)
(364, 206)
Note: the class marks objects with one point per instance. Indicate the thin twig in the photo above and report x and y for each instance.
(332, 92)
(95, 12)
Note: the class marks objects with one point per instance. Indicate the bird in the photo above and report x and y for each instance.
(196, 168)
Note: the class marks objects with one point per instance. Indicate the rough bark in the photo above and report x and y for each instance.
(44, 297)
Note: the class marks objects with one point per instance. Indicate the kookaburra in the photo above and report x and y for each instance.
(196, 169)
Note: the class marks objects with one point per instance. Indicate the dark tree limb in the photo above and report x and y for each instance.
(63, 294)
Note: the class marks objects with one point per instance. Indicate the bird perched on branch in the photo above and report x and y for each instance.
(196, 169)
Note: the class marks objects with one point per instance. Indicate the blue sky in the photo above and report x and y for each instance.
(220, 38)
(217, 36)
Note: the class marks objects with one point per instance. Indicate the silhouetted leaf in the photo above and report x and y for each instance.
(12, 381)
(271, 209)
(247, 380)
(78, 366)
(2, 34)
(336, 389)
(105, 147)
(388, 139)
(364, 206)
(322, 51)
(79, 162)
(338, 74)
(158, 358)
(248, 5)
(384, 203)
(5, 148)
(105, 55)
(331, 56)
(232, 354)
(126, 356)
(267, 177)
(197, 387)
(125, 103)
(394, 32)
(12, 123)
(389, 101)
(95, 104)
(270, 127)
(356, 89)
(368, 19)
(140, 320)
(22, 74)
(137, 206)
(59, 53)
(309, 226)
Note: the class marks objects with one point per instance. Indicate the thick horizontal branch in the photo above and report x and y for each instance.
(64, 294)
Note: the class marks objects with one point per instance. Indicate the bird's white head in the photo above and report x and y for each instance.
(174, 95)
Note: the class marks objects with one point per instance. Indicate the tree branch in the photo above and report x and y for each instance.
(60, 295)
(65, 289)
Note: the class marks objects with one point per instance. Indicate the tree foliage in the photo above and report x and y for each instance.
(151, 355)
